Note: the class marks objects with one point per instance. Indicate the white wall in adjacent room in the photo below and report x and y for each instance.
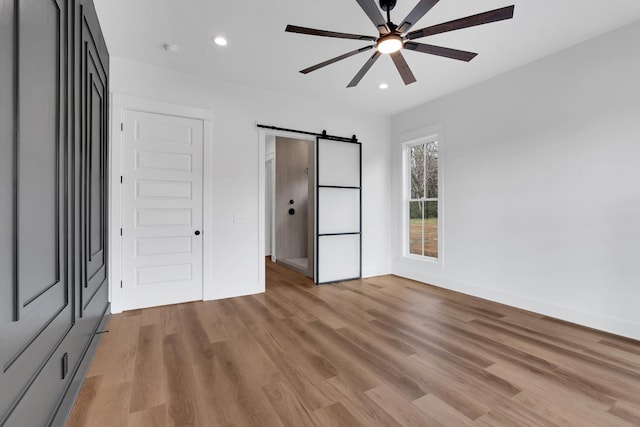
(541, 186)
(236, 111)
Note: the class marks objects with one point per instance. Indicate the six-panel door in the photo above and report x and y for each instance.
(161, 209)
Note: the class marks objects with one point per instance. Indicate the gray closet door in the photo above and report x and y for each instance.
(35, 309)
(338, 210)
(53, 146)
(93, 164)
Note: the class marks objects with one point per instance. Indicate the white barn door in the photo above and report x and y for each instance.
(161, 209)
(338, 210)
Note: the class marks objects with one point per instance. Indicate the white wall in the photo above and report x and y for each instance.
(236, 111)
(542, 186)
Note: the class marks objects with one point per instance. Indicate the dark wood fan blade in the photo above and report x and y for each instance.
(469, 21)
(416, 14)
(460, 55)
(403, 68)
(364, 70)
(323, 33)
(336, 59)
(373, 12)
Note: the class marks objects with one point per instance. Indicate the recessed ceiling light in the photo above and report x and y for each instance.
(383, 86)
(170, 47)
(220, 41)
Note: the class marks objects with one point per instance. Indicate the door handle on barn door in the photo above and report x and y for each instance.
(197, 232)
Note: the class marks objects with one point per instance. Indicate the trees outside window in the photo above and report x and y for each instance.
(422, 197)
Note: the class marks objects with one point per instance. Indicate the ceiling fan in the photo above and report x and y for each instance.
(394, 37)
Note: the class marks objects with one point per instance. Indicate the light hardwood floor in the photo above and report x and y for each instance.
(384, 351)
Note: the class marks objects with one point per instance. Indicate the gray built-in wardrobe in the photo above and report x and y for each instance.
(53, 204)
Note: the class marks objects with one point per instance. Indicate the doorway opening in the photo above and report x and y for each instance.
(332, 205)
(160, 202)
(289, 202)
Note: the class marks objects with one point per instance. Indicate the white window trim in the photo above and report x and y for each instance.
(421, 136)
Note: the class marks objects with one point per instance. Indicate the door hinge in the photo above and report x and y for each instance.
(121, 127)
(120, 284)
(120, 179)
(121, 231)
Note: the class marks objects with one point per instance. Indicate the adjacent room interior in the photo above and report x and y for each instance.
(434, 225)
(289, 207)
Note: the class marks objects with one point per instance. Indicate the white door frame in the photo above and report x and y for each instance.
(262, 142)
(272, 249)
(120, 103)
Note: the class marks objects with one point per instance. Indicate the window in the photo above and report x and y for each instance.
(421, 198)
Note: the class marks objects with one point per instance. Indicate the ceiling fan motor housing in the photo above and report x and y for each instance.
(387, 5)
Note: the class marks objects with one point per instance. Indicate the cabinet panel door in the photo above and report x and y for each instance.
(93, 153)
(36, 313)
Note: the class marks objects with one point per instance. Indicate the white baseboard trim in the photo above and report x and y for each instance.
(546, 308)
(210, 296)
(215, 296)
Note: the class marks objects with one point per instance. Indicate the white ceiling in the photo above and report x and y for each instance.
(260, 54)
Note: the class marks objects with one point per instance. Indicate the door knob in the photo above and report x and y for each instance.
(197, 232)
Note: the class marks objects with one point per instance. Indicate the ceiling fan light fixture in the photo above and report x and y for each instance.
(390, 43)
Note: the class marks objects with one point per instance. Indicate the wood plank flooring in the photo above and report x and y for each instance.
(384, 351)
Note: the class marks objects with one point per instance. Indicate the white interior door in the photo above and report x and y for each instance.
(338, 204)
(161, 209)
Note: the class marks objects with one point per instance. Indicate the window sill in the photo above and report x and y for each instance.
(421, 258)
